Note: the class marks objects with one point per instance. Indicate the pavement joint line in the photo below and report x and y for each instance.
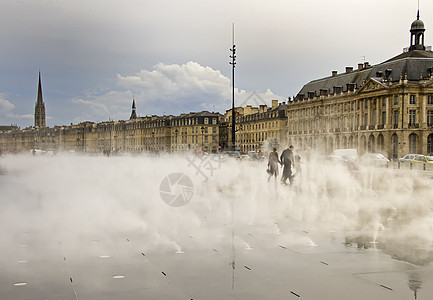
(386, 287)
(297, 295)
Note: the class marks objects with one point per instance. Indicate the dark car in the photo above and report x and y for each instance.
(234, 154)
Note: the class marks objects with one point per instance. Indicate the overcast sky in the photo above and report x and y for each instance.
(173, 56)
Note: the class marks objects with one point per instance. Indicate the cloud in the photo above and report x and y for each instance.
(168, 89)
(6, 107)
(7, 114)
(188, 87)
(111, 105)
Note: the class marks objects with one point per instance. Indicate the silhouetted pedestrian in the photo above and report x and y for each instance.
(287, 160)
(273, 162)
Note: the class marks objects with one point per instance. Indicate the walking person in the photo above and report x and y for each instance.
(273, 162)
(298, 164)
(287, 159)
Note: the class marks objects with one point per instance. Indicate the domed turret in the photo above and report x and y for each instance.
(417, 34)
(417, 25)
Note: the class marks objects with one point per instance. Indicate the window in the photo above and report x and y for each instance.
(214, 120)
(384, 100)
(383, 117)
(430, 99)
(412, 99)
(206, 139)
(412, 115)
(396, 117)
(366, 119)
(395, 100)
(214, 130)
(412, 143)
(206, 120)
(430, 118)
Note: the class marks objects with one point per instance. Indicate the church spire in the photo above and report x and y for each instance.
(40, 107)
(134, 113)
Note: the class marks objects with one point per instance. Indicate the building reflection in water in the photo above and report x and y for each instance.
(412, 250)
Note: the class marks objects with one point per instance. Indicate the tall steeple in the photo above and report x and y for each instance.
(417, 34)
(134, 113)
(40, 107)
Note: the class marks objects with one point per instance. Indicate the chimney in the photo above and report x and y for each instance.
(274, 104)
(366, 65)
(334, 73)
(360, 66)
(349, 69)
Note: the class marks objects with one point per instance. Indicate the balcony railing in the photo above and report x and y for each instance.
(379, 126)
(361, 127)
(413, 125)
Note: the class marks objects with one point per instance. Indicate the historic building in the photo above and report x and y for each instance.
(40, 108)
(260, 128)
(385, 108)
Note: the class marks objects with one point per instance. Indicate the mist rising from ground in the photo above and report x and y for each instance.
(68, 197)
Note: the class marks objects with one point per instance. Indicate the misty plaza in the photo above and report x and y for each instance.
(177, 220)
(186, 227)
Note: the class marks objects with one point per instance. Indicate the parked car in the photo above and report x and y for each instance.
(374, 159)
(346, 153)
(408, 157)
(234, 154)
(429, 154)
(423, 159)
(346, 160)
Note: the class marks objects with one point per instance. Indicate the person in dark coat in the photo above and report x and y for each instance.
(273, 162)
(287, 159)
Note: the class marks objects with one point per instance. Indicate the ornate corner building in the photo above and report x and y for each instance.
(385, 108)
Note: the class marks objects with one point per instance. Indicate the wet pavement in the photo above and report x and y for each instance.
(202, 253)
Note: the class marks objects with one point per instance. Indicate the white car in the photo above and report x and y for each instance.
(408, 157)
(374, 159)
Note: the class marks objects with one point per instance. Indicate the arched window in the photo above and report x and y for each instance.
(412, 143)
(430, 143)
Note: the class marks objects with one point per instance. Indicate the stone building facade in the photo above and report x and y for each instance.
(260, 128)
(386, 108)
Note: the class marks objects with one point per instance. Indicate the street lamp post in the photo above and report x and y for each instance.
(233, 63)
(202, 140)
(175, 133)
